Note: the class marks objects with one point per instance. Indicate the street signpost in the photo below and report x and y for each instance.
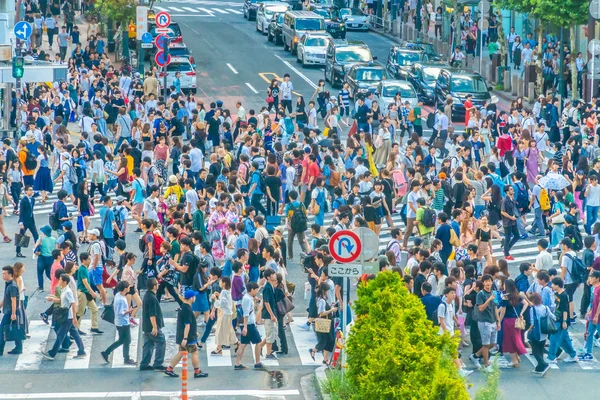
(161, 60)
(160, 41)
(141, 29)
(346, 270)
(345, 246)
(22, 30)
(163, 19)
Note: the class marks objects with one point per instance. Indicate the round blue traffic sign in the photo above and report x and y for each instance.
(160, 59)
(160, 41)
(146, 37)
(22, 30)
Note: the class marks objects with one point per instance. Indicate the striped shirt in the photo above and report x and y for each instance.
(438, 200)
(405, 112)
(345, 97)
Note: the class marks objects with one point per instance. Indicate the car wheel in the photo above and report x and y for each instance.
(269, 36)
(294, 49)
(264, 31)
(303, 62)
(245, 15)
(298, 58)
(285, 45)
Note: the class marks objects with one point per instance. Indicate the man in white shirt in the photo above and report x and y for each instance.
(191, 198)
(527, 53)
(286, 92)
(446, 313)
(196, 158)
(151, 204)
(312, 115)
(250, 334)
(411, 210)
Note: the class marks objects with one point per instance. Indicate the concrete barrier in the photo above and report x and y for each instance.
(507, 81)
(520, 87)
(513, 85)
(531, 92)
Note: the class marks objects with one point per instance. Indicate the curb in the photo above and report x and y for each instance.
(321, 376)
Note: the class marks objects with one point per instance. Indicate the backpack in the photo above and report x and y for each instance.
(142, 186)
(544, 200)
(53, 218)
(335, 178)
(158, 241)
(430, 120)
(411, 115)
(71, 174)
(435, 317)
(30, 161)
(299, 220)
(578, 270)
(429, 218)
(261, 182)
(298, 176)
(522, 199)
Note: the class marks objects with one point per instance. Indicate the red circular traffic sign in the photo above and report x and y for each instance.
(345, 246)
(162, 19)
(159, 42)
(160, 59)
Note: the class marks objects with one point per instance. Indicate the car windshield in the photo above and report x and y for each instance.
(173, 30)
(317, 42)
(407, 58)
(468, 84)
(369, 74)
(272, 10)
(345, 11)
(181, 67)
(311, 24)
(179, 52)
(322, 12)
(430, 74)
(390, 91)
(357, 54)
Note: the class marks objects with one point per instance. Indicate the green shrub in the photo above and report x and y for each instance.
(491, 389)
(336, 387)
(394, 352)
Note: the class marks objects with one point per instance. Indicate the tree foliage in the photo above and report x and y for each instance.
(118, 10)
(394, 352)
(561, 13)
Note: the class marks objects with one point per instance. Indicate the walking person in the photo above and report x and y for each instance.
(561, 339)
(224, 333)
(122, 316)
(26, 218)
(326, 340)
(9, 306)
(152, 324)
(592, 316)
(509, 221)
(186, 337)
(537, 339)
(86, 295)
(250, 334)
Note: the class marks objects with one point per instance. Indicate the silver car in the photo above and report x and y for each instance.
(386, 90)
(265, 13)
(355, 19)
(312, 48)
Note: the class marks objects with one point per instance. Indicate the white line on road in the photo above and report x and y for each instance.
(220, 11)
(160, 8)
(206, 10)
(300, 74)
(232, 69)
(176, 9)
(108, 395)
(252, 88)
(231, 10)
(190, 9)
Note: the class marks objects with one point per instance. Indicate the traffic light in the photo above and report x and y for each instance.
(17, 67)
(132, 32)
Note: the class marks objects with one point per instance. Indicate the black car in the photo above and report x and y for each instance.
(250, 9)
(428, 48)
(400, 60)
(274, 29)
(364, 78)
(334, 24)
(458, 83)
(423, 77)
(341, 55)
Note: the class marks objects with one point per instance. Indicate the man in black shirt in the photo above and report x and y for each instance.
(421, 278)
(213, 128)
(269, 312)
(509, 221)
(9, 308)
(188, 266)
(561, 338)
(136, 154)
(186, 336)
(152, 323)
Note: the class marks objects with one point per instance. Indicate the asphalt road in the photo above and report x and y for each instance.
(234, 63)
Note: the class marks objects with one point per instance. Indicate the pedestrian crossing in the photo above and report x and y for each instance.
(187, 11)
(42, 338)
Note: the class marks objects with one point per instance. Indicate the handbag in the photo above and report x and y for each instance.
(291, 287)
(520, 321)
(60, 315)
(559, 219)
(214, 235)
(12, 332)
(315, 209)
(127, 187)
(322, 325)
(92, 208)
(270, 99)
(22, 240)
(108, 314)
(547, 323)
(285, 306)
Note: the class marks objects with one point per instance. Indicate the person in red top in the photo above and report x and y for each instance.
(304, 177)
(468, 106)
(57, 256)
(504, 143)
(313, 172)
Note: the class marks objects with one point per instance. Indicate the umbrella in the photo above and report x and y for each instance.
(554, 181)
(326, 143)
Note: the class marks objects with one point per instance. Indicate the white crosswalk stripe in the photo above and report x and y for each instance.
(202, 11)
(43, 336)
(231, 10)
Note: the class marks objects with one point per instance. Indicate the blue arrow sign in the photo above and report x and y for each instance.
(346, 243)
(22, 30)
(147, 37)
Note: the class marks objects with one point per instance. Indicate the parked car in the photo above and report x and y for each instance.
(187, 70)
(296, 24)
(400, 59)
(265, 14)
(459, 83)
(423, 77)
(312, 48)
(181, 50)
(428, 48)
(355, 19)
(250, 9)
(274, 29)
(333, 22)
(364, 78)
(341, 55)
(386, 91)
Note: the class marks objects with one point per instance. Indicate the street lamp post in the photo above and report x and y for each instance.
(562, 84)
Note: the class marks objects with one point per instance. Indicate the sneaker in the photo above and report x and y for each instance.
(571, 359)
(259, 366)
(81, 333)
(306, 327)
(489, 368)
(44, 317)
(63, 350)
(465, 372)
(509, 258)
(96, 331)
(239, 367)
(169, 371)
(585, 357)
(596, 343)
(523, 237)
(542, 373)
(129, 362)
(200, 374)
(550, 362)
(47, 356)
(271, 356)
(160, 368)
(79, 355)
(104, 356)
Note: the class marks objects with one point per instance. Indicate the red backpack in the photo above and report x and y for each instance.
(158, 241)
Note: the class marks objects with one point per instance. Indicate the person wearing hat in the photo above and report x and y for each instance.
(186, 336)
(174, 191)
(122, 316)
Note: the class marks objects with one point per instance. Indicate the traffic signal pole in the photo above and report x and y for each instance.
(166, 57)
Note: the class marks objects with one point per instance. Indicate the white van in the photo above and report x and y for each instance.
(296, 24)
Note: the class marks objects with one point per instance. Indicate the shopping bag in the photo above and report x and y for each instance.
(22, 240)
(13, 332)
(108, 314)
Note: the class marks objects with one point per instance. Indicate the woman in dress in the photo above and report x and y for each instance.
(161, 157)
(19, 270)
(83, 207)
(383, 144)
(579, 184)
(557, 220)
(217, 223)
(42, 182)
(224, 333)
(532, 157)
(512, 308)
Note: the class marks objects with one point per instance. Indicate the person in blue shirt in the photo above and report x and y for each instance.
(430, 302)
(242, 240)
(99, 45)
(443, 234)
(177, 82)
(249, 221)
(108, 222)
(256, 189)
(61, 208)
(227, 135)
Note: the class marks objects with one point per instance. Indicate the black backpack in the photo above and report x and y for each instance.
(53, 218)
(261, 182)
(434, 316)
(578, 270)
(429, 218)
(30, 161)
(299, 220)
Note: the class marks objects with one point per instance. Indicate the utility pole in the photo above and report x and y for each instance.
(562, 84)
(166, 57)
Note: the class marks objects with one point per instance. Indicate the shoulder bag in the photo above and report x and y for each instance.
(547, 323)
